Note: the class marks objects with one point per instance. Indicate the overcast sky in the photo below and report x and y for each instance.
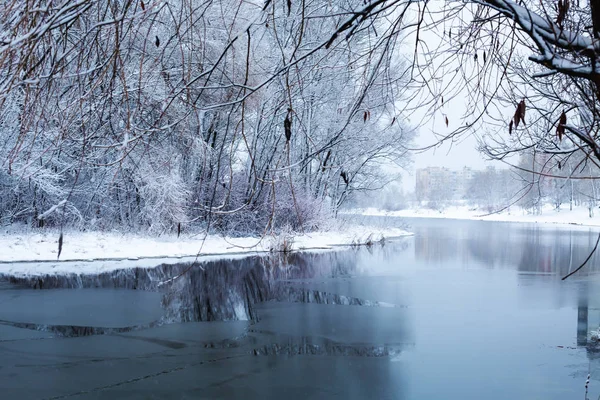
(454, 155)
(450, 155)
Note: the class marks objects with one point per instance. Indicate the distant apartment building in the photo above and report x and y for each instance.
(442, 184)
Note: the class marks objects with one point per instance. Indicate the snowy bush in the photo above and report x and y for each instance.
(282, 241)
(163, 195)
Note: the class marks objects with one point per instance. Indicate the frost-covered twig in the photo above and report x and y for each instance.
(52, 209)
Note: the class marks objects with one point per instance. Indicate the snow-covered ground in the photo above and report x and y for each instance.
(578, 216)
(33, 252)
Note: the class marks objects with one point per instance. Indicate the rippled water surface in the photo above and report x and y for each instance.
(461, 310)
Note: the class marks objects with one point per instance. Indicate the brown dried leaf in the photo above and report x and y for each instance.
(344, 177)
(519, 113)
(142, 5)
(287, 126)
(366, 116)
(446, 121)
(560, 129)
(60, 245)
(510, 127)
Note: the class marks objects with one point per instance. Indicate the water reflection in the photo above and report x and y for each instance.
(582, 322)
(461, 310)
(227, 289)
(301, 340)
(588, 319)
(534, 249)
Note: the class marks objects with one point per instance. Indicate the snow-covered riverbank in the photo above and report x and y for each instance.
(35, 253)
(577, 216)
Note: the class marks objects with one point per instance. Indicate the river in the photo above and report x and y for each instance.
(461, 310)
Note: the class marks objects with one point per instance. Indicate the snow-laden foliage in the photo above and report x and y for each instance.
(530, 71)
(162, 115)
(252, 116)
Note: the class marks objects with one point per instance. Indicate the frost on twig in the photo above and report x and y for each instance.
(52, 209)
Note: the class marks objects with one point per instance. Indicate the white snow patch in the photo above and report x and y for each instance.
(34, 252)
(578, 216)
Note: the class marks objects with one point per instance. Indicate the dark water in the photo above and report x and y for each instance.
(462, 310)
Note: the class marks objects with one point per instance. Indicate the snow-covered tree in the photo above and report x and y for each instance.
(157, 115)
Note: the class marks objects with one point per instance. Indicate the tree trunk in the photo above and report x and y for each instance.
(595, 7)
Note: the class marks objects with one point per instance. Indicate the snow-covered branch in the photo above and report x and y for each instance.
(49, 211)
